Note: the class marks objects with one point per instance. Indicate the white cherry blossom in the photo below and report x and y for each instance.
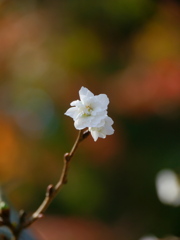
(105, 129)
(89, 111)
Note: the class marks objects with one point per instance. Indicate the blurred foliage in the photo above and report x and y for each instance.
(128, 49)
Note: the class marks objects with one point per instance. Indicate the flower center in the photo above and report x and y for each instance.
(87, 111)
(89, 108)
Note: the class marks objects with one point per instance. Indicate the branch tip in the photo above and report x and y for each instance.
(85, 134)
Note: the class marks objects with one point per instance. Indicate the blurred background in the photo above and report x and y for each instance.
(126, 186)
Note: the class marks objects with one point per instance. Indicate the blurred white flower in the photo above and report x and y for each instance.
(91, 112)
(105, 129)
(168, 187)
(149, 237)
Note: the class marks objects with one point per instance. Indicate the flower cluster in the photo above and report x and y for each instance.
(91, 112)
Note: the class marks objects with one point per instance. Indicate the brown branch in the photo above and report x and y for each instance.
(52, 191)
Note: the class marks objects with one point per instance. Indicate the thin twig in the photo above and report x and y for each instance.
(52, 191)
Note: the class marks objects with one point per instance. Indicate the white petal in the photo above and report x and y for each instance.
(87, 101)
(76, 103)
(84, 92)
(82, 122)
(102, 135)
(72, 112)
(109, 120)
(103, 101)
(97, 121)
(95, 135)
(107, 126)
(109, 130)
